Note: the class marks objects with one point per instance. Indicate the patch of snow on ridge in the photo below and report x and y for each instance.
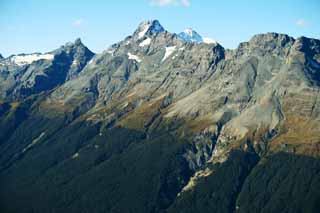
(134, 57)
(143, 31)
(145, 42)
(75, 62)
(189, 31)
(111, 51)
(169, 51)
(90, 62)
(33, 142)
(28, 59)
(189, 35)
(209, 41)
(76, 155)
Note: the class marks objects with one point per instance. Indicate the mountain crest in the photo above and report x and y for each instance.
(190, 35)
(271, 37)
(76, 43)
(150, 27)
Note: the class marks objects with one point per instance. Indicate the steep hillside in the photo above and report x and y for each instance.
(162, 122)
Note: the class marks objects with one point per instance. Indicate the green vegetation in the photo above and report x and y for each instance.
(282, 183)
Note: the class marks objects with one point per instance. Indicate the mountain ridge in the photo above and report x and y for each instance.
(156, 23)
(211, 129)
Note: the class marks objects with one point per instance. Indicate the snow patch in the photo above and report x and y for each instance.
(189, 35)
(90, 62)
(189, 31)
(145, 42)
(151, 26)
(111, 51)
(169, 51)
(33, 142)
(75, 62)
(143, 31)
(134, 57)
(75, 155)
(176, 55)
(209, 41)
(28, 59)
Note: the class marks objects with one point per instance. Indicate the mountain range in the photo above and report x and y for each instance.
(162, 122)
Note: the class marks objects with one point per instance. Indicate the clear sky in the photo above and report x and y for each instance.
(28, 26)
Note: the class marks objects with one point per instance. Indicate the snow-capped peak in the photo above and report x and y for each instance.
(149, 27)
(190, 35)
(190, 32)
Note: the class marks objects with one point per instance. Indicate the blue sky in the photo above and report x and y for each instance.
(43, 25)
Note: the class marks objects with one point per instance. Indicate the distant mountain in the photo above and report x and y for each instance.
(162, 122)
(26, 74)
(189, 35)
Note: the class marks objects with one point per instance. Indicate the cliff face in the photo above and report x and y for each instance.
(157, 123)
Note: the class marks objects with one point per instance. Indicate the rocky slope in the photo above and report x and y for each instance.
(160, 122)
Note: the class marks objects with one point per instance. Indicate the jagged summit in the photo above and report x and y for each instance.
(76, 43)
(153, 27)
(76, 49)
(150, 27)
